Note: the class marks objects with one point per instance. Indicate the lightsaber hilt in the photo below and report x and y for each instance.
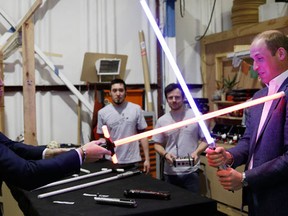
(110, 145)
(213, 146)
(221, 167)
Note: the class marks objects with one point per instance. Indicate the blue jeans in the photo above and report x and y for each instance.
(189, 181)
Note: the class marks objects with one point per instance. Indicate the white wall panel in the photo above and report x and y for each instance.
(70, 28)
(194, 23)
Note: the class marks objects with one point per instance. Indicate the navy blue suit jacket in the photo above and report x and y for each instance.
(268, 180)
(21, 165)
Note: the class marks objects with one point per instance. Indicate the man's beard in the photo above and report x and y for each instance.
(118, 101)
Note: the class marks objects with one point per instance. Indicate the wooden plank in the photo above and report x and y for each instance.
(228, 210)
(245, 30)
(203, 70)
(7, 49)
(2, 113)
(30, 132)
(28, 15)
(18, 28)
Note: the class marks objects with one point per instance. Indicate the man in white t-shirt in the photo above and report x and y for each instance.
(185, 142)
(124, 119)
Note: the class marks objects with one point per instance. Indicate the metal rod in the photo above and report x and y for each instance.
(75, 178)
(81, 186)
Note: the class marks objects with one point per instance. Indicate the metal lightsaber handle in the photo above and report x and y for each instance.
(222, 167)
(213, 146)
(110, 144)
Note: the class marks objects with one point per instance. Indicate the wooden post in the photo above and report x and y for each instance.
(79, 108)
(2, 113)
(30, 132)
(146, 72)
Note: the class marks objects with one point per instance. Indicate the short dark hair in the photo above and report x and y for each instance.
(117, 80)
(170, 87)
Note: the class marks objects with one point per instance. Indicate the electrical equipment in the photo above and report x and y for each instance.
(108, 66)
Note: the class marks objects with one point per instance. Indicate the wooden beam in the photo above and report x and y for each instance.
(30, 132)
(2, 113)
(18, 28)
(203, 69)
(28, 15)
(250, 29)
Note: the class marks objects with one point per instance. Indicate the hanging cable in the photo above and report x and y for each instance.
(182, 8)
(198, 38)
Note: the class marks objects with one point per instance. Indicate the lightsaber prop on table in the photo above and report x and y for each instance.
(198, 118)
(81, 186)
(177, 72)
(75, 179)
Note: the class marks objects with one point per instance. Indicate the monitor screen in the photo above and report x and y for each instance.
(108, 66)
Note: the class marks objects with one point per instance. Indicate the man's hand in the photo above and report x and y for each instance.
(217, 157)
(94, 151)
(146, 166)
(170, 158)
(230, 179)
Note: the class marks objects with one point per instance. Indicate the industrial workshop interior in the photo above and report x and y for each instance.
(59, 57)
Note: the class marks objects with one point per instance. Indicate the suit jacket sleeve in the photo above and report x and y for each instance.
(23, 150)
(29, 174)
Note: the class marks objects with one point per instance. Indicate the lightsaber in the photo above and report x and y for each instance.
(75, 179)
(177, 72)
(199, 118)
(110, 144)
(89, 184)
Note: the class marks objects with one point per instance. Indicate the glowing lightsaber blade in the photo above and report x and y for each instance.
(177, 72)
(199, 118)
(110, 144)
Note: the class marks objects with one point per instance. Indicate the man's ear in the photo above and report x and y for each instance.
(282, 53)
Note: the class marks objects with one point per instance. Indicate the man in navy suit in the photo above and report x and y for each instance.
(264, 146)
(22, 166)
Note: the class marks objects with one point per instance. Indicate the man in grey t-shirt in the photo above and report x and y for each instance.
(124, 119)
(185, 142)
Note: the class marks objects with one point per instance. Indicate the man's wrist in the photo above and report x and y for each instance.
(244, 181)
(84, 154)
(164, 156)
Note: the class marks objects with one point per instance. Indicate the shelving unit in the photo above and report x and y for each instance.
(230, 118)
(216, 47)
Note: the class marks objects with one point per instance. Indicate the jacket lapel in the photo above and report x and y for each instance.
(274, 104)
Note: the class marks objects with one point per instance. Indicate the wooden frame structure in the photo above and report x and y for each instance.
(26, 29)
